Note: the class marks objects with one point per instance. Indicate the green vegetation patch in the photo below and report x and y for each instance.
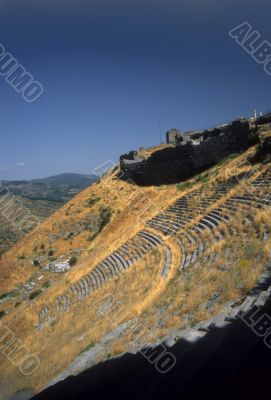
(46, 285)
(91, 201)
(254, 137)
(105, 214)
(11, 294)
(35, 294)
(185, 185)
(73, 260)
(228, 158)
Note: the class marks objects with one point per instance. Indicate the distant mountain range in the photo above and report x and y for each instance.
(61, 179)
(68, 179)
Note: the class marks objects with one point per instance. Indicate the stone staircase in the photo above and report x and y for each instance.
(115, 264)
(177, 221)
(217, 222)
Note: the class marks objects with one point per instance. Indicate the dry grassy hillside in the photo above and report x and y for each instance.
(34, 201)
(170, 256)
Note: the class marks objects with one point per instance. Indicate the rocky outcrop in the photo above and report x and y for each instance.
(264, 119)
(189, 156)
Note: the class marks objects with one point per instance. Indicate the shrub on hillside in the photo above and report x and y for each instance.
(35, 294)
(253, 138)
(105, 215)
(2, 314)
(12, 294)
(185, 185)
(46, 285)
(72, 261)
(91, 201)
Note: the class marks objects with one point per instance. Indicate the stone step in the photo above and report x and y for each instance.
(75, 291)
(183, 212)
(92, 281)
(120, 266)
(158, 222)
(172, 215)
(190, 237)
(263, 199)
(198, 228)
(156, 240)
(225, 212)
(187, 260)
(169, 231)
(145, 245)
(125, 246)
(204, 225)
(99, 277)
(244, 203)
(107, 269)
(253, 199)
(167, 262)
(183, 254)
(121, 260)
(86, 285)
(166, 230)
(178, 219)
(43, 314)
(82, 286)
(95, 279)
(89, 283)
(101, 272)
(208, 222)
(262, 183)
(219, 235)
(66, 303)
(115, 263)
(253, 203)
(131, 248)
(216, 218)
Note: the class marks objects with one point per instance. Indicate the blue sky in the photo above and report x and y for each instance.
(117, 73)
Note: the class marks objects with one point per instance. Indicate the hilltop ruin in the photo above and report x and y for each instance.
(189, 153)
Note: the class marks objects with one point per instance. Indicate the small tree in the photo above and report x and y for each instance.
(34, 294)
(72, 261)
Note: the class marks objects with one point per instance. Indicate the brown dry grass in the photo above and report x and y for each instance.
(141, 279)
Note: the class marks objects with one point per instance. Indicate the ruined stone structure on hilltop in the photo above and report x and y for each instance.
(174, 135)
(191, 154)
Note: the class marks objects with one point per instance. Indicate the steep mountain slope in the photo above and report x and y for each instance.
(35, 200)
(130, 261)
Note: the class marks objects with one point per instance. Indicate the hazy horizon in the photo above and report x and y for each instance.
(48, 176)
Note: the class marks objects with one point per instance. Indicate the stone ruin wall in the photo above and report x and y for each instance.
(174, 164)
